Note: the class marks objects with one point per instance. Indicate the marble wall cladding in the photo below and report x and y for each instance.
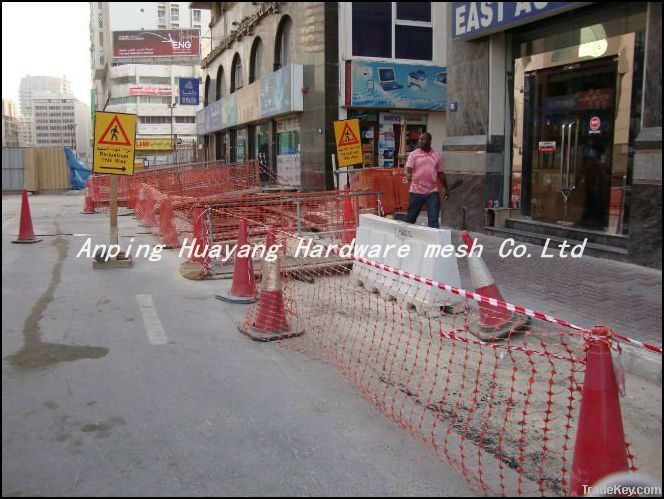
(467, 198)
(652, 111)
(468, 85)
(645, 225)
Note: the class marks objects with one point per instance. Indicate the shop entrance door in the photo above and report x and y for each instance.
(571, 135)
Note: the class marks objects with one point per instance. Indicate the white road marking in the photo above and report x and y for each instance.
(153, 327)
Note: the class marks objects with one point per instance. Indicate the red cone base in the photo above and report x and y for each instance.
(600, 447)
(89, 207)
(25, 233)
(243, 289)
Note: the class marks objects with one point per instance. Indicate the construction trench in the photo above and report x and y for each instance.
(504, 411)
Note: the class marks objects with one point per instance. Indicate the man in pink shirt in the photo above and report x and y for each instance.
(423, 168)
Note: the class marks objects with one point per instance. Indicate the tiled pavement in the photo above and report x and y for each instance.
(585, 291)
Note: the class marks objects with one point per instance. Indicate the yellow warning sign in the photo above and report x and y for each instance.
(115, 136)
(349, 146)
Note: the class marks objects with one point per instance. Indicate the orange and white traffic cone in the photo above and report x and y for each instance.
(600, 447)
(167, 228)
(89, 206)
(494, 322)
(243, 290)
(25, 233)
(350, 223)
(270, 323)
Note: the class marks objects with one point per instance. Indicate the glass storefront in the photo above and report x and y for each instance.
(576, 112)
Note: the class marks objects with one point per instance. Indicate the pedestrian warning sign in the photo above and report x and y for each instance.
(115, 136)
(349, 147)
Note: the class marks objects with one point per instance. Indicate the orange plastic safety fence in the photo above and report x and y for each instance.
(495, 396)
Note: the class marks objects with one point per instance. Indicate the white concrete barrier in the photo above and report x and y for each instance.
(423, 259)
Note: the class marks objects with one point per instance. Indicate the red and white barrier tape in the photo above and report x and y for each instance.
(473, 296)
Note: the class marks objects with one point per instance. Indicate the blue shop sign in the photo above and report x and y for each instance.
(189, 91)
(476, 19)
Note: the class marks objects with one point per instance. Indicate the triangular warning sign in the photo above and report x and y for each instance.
(348, 138)
(111, 136)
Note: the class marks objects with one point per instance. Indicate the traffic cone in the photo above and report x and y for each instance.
(243, 289)
(89, 206)
(600, 447)
(149, 216)
(494, 322)
(348, 218)
(25, 233)
(270, 323)
(167, 228)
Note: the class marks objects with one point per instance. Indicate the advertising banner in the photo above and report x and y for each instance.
(156, 43)
(151, 90)
(154, 144)
(396, 86)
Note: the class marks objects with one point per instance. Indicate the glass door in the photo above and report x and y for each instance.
(569, 147)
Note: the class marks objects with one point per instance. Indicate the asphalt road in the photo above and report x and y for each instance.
(136, 382)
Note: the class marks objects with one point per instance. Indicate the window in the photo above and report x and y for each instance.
(401, 30)
(175, 13)
(123, 100)
(155, 80)
(152, 99)
(236, 73)
(220, 86)
(372, 29)
(185, 119)
(283, 47)
(206, 95)
(121, 80)
(256, 61)
(154, 120)
(196, 15)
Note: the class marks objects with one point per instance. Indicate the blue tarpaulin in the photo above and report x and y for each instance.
(78, 172)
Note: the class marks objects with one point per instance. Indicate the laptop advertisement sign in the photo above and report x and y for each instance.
(390, 85)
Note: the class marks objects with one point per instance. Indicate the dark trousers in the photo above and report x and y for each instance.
(415, 203)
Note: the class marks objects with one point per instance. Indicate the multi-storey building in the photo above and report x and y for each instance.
(62, 121)
(139, 52)
(271, 87)
(32, 86)
(10, 124)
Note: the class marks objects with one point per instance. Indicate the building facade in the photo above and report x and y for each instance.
(62, 121)
(270, 73)
(139, 52)
(393, 75)
(555, 112)
(10, 124)
(32, 86)
(26, 131)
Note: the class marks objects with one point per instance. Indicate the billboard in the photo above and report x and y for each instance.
(163, 90)
(395, 86)
(156, 43)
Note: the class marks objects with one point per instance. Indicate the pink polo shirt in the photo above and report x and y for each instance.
(426, 166)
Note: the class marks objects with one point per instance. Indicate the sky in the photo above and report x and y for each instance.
(46, 39)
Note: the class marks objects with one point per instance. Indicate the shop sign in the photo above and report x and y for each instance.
(476, 19)
(154, 144)
(189, 88)
(281, 92)
(398, 119)
(164, 90)
(247, 104)
(392, 85)
(547, 147)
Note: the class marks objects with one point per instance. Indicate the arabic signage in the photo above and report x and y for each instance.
(476, 19)
(189, 91)
(396, 86)
(152, 90)
(115, 135)
(278, 94)
(156, 43)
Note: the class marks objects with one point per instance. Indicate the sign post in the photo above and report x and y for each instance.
(115, 138)
(349, 146)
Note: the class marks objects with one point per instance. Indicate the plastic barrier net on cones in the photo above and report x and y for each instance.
(503, 411)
